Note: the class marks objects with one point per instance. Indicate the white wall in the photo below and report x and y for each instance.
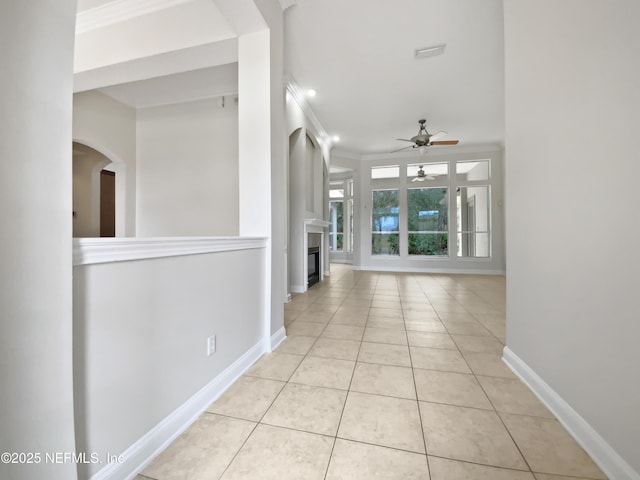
(307, 190)
(188, 169)
(311, 169)
(140, 330)
(572, 167)
(110, 128)
(296, 206)
(36, 387)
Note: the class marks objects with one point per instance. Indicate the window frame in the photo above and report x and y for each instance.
(381, 233)
(451, 181)
(346, 185)
(430, 232)
(334, 233)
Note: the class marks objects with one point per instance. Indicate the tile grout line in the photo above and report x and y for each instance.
(411, 360)
(485, 393)
(344, 295)
(252, 430)
(286, 382)
(495, 411)
(235, 455)
(504, 425)
(344, 406)
(415, 387)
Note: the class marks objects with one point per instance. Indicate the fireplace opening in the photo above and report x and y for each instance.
(313, 266)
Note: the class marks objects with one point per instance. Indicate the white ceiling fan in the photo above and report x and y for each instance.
(425, 139)
(421, 176)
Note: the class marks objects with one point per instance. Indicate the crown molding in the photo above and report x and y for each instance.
(287, 3)
(294, 90)
(349, 155)
(436, 152)
(119, 11)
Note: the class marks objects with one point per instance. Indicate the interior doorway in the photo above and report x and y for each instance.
(107, 203)
(94, 193)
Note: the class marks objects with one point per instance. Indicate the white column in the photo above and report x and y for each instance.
(36, 391)
(262, 142)
(254, 118)
(254, 121)
(297, 232)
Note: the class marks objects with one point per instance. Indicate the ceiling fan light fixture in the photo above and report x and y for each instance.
(430, 51)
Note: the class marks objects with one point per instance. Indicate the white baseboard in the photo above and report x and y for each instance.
(298, 288)
(277, 338)
(612, 464)
(288, 298)
(342, 261)
(143, 451)
(428, 270)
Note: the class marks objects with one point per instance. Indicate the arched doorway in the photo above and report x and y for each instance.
(94, 193)
(308, 180)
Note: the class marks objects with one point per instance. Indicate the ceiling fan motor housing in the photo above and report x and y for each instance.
(422, 139)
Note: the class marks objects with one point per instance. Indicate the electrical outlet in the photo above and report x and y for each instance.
(211, 345)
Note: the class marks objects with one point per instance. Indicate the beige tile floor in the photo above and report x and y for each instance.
(382, 376)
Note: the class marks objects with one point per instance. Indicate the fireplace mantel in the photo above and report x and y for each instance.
(313, 225)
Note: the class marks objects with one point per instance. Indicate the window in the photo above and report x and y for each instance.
(432, 173)
(473, 207)
(350, 223)
(336, 232)
(472, 171)
(348, 214)
(427, 219)
(384, 222)
(472, 221)
(438, 210)
(388, 171)
(341, 215)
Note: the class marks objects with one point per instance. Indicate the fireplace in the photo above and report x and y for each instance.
(312, 255)
(313, 266)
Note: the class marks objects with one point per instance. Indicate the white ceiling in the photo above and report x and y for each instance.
(84, 5)
(126, 30)
(181, 87)
(359, 57)
(122, 42)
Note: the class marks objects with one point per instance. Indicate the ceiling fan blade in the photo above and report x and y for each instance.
(445, 142)
(438, 135)
(404, 140)
(400, 149)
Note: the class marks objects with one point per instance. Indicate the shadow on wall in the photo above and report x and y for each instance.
(94, 193)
